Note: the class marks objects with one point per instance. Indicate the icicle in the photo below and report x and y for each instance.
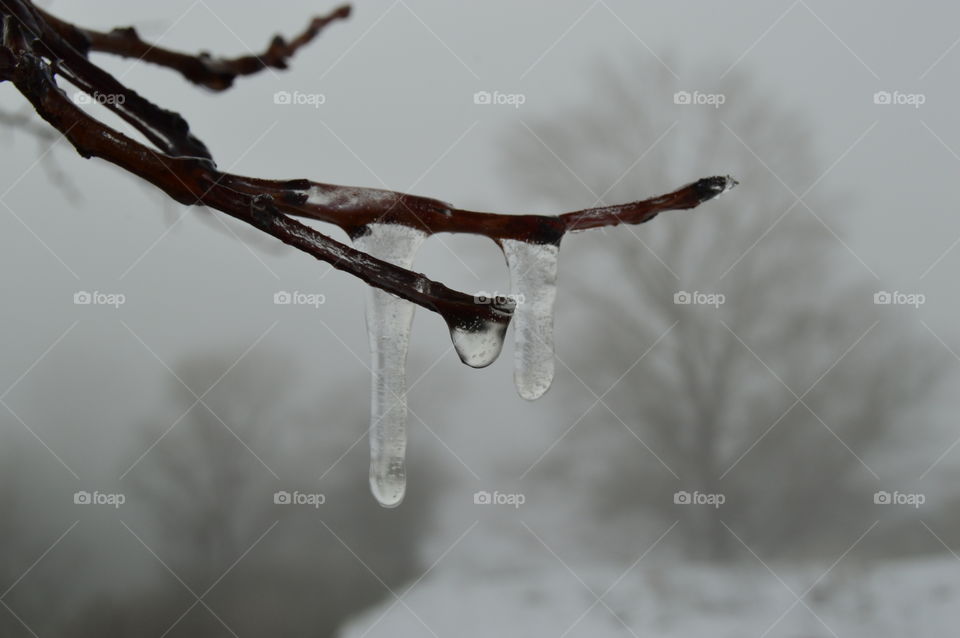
(533, 283)
(389, 319)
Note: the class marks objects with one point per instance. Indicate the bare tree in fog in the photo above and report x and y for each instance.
(33, 517)
(210, 498)
(12, 538)
(775, 394)
(204, 479)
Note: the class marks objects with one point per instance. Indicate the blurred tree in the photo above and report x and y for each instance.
(774, 398)
(210, 500)
(11, 538)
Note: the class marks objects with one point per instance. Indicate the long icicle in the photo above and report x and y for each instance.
(389, 320)
(533, 284)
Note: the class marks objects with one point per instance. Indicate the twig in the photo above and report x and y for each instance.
(216, 74)
(38, 46)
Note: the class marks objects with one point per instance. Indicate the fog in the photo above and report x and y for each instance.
(801, 400)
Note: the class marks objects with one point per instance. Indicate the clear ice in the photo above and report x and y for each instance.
(533, 277)
(389, 319)
(533, 284)
(478, 344)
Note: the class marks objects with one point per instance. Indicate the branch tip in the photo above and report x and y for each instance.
(713, 187)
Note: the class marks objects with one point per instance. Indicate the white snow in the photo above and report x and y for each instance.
(892, 599)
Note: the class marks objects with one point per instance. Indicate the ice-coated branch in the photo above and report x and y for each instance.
(193, 180)
(385, 227)
(38, 46)
(352, 208)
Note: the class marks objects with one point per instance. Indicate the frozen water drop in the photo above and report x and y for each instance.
(533, 284)
(389, 319)
(478, 342)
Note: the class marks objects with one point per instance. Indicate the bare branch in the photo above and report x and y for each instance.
(214, 73)
(37, 46)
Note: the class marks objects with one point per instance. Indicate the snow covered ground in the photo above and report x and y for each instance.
(542, 598)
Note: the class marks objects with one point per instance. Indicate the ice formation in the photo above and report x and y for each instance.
(533, 284)
(533, 276)
(479, 343)
(389, 319)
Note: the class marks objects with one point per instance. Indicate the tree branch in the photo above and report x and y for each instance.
(38, 46)
(216, 74)
(352, 208)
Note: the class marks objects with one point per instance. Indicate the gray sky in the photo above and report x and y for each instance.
(398, 81)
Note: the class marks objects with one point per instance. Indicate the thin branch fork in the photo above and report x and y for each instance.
(37, 46)
(216, 74)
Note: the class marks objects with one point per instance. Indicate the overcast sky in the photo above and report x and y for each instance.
(398, 81)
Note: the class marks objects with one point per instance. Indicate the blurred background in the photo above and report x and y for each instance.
(752, 430)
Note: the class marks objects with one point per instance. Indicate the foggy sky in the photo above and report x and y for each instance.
(398, 81)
